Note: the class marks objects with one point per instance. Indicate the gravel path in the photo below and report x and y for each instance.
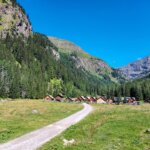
(35, 139)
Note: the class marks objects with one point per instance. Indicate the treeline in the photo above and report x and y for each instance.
(27, 66)
(140, 89)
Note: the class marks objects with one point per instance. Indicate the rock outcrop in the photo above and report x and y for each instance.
(13, 20)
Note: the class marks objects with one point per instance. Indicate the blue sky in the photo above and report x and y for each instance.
(117, 31)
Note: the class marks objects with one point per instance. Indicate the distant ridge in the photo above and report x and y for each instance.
(137, 69)
(82, 59)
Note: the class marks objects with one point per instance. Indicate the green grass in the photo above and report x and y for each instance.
(85, 55)
(16, 118)
(80, 54)
(108, 128)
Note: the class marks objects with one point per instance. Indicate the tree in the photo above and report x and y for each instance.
(55, 86)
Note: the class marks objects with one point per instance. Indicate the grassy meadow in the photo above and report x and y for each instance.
(22, 116)
(109, 127)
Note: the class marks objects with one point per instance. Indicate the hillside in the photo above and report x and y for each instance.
(137, 69)
(31, 66)
(82, 59)
(85, 61)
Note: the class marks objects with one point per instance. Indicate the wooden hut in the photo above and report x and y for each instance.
(101, 100)
(49, 98)
(59, 98)
(70, 100)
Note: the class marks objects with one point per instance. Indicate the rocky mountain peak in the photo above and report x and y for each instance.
(137, 69)
(13, 19)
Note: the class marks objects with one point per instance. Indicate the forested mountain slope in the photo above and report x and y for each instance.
(31, 65)
(82, 59)
(85, 61)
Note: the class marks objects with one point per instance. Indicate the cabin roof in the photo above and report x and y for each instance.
(60, 95)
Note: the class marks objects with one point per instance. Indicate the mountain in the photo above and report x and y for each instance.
(31, 65)
(13, 19)
(137, 69)
(82, 59)
(85, 61)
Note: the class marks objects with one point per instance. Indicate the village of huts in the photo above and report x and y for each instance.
(92, 100)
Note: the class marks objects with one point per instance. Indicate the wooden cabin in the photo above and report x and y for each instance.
(73, 99)
(70, 100)
(59, 98)
(78, 100)
(92, 100)
(109, 101)
(87, 99)
(101, 100)
(131, 100)
(49, 98)
(83, 99)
